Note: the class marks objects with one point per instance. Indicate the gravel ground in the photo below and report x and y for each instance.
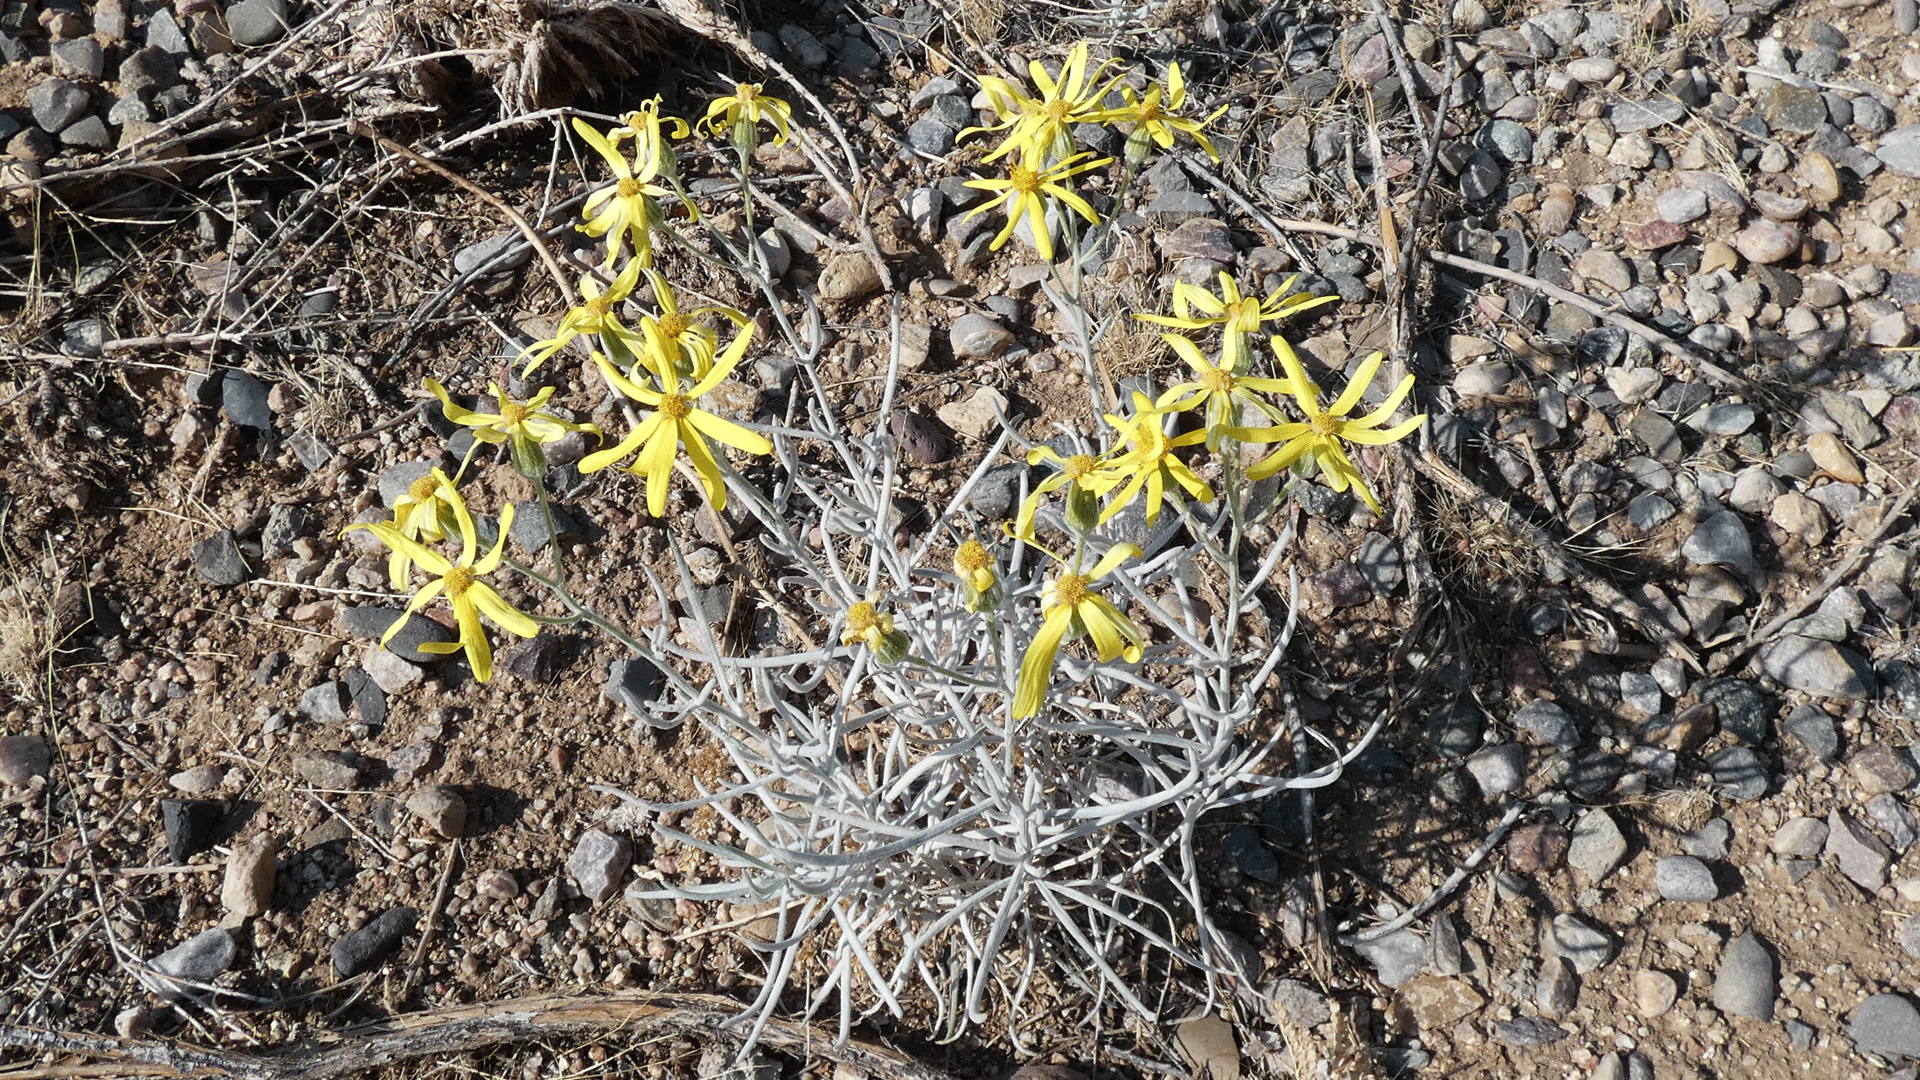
(1656, 558)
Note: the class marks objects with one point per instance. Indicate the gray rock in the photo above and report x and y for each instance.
(1722, 419)
(1739, 773)
(1746, 983)
(1801, 838)
(1498, 769)
(1641, 692)
(510, 249)
(1444, 953)
(328, 771)
(163, 33)
(373, 622)
(529, 531)
(1887, 1025)
(1721, 540)
(1557, 989)
(634, 683)
(56, 104)
(951, 110)
(1740, 707)
(976, 336)
(1176, 207)
(247, 888)
(1767, 241)
(1598, 846)
(1641, 115)
(1862, 856)
(1527, 1031)
(1480, 177)
(244, 397)
(1796, 109)
(79, 56)
(1709, 841)
(23, 759)
(1647, 511)
(1685, 879)
(1815, 731)
(1579, 942)
(1909, 936)
(930, 136)
(367, 697)
(326, 703)
(149, 69)
(1681, 205)
(364, 949)
(1509, 140)
(218, 559)
(1303, 1005)
(598, 862)
(1816, 667)
(806, 50)
(1895, 820)
(1658, 435)
(199, 959)
(1548, 723)
(285, 524)
(1397, 957)
(1879, 769)
(441, 809)
(1455, 729)
(1242, 845)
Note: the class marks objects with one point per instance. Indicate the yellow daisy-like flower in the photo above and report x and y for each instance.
(652, 153)
(1149, 462)
(1085, 477)
(1236, 315)
(688, 344)
(460, 582)
(626, 209)
(676, 423)
(979, 584)
(1320, 437)
(740, 113)
(598, 313)
(1153, 119)
(423, 513)
(1218, 390)
(1072, 609)
(1042, 128)
(522, 426)
(1024, 193)
(867, 624)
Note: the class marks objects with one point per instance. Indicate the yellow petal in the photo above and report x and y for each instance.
(1103, 612)
(474, 637)
(1281, 458)
(605, 149)
(502, 613)
(1385, 411)
(1357, 386)
(1036, 668)
(728, 432)
(656, 464)
(704, 465)
(1115, 555)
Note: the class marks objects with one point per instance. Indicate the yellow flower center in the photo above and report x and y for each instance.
(1148, 111)
(598, 306)
(422, 489)
(971, 558)
(513, 414)
(746, 92)
(1057, 110)
(458, 580)
(675, 407)
(1023, 180)
(1325, 425)
(1244, 315)
(1079, 467)
(861, 618)
(1069, 589)
(1216, 382)
(628, 188)
(673, 324)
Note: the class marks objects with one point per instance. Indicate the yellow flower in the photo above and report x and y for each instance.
(1042, 128)
(469, 596)
(867, 623)
(746, 108)
(1151, 119)
(979, 585)
(1150, 461)
(652, 154)
(523, 427)
(687, 344)
(675, 423)
(421, 514)
(1219, 390)
(1071, 609)
(1022, 193)
(1237, 315)
(627, 208)
(1318, 440)
(597, 314)
(1085, 477)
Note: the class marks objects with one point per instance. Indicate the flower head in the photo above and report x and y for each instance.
(1149, 461)
(423, 512)
(460, 582)
(1041, 128)
(1071, 609)
(652, 153)
(1085, 477)
(1024, 193)
(867, 623)
(1318, 440)
(1236, 315)
(687, 344)
(741, 113)
(1152, 119)
(1221, 392)
(521, 425)
(626, 208)
(676, 423)
(597, 313)
(979, 584)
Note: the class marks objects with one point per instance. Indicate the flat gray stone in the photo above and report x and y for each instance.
(1816, 667)
(1684, 879)
(1801, 838)
(1746, 983)
(23, 758)
(975, 336)
(1721, 540)
(372, 622)
(1548, 723)
(1886, 1024)
(598, 862)
(1863, 857)
(200, 959)
(1580, 943)
(1598, 847)
(364, 949)
(218, 559)
(1176, 207)
(1642, 115)
(1397, 958)
(326, 703)
(1498, 769)
(56, 104)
